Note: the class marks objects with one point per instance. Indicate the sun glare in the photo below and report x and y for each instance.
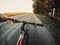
(15, 6)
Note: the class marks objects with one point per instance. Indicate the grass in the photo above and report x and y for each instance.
(51, 26)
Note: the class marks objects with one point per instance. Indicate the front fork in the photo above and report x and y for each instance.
(24, 38)
(21, 39)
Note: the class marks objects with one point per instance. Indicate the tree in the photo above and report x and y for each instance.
(37, 6)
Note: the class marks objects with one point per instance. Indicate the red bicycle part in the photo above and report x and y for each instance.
(20, 42)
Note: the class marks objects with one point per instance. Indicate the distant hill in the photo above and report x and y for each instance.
(15, 13)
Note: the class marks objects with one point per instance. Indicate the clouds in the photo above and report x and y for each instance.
(15, 5)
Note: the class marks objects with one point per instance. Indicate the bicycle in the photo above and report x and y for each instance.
(24, 33)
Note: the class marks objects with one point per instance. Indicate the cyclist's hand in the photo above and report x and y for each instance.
(11, 19)
(8, 19)
(3, 19)
(14, 21)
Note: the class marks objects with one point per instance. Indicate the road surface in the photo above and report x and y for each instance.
(10, 32)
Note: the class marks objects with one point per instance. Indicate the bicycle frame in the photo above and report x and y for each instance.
(20, 41)
(23, 35)
(21, 38)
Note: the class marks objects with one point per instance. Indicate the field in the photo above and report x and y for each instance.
(15, 13)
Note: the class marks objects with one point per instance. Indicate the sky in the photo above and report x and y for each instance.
(15, 6)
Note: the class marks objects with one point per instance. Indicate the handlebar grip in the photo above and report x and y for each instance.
(40, 24)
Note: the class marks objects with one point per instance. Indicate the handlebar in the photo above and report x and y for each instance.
(17, 21)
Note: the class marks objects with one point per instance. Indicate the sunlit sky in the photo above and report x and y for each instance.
(15, 6)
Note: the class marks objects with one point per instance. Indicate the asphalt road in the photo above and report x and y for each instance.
(37, 35)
